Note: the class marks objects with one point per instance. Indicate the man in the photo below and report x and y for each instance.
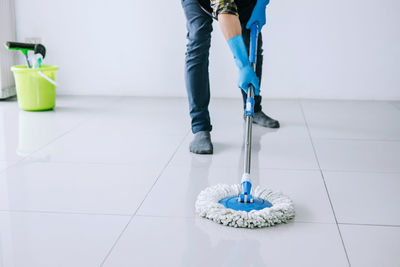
(234, 18)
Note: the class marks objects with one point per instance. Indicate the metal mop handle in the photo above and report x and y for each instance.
(245, 195)
(250, 98)
(249, 123)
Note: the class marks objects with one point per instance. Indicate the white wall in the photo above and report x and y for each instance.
(347, 49)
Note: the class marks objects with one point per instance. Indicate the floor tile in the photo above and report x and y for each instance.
(356, 155)
(98, 142)
(82, 188)
(181, 185)
(287, 112)
(126, 133)
(371, 246)
(149, 115)
(352, 119)
(365, 198)
(25, 132)
(44, 239)
(267, 151)
(154, 241)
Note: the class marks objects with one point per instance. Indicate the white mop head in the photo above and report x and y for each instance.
(207, 206)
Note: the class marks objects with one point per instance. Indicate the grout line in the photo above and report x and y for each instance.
(356, 139)
(68, 162)
(163, 216)
(64, 212)
(141, 203)
(362, 171)
(299, 170)
(13, 163)
(323, 179)
(371, 224)
(195, 217)
(396, 105)
(109, 163)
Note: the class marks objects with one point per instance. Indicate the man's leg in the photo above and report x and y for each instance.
(259, 116)
(199, 27)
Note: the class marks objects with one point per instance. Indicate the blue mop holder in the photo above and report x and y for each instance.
(254, 31)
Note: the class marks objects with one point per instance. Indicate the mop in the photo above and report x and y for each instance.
(240, 205)
(39, 54)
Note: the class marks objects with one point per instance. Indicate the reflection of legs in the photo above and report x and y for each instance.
(259, 116)
(199, 27)
(198, 177)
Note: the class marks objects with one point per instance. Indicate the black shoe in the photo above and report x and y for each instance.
(263, 120)
(201, 143)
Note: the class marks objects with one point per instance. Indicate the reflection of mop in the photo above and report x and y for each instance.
(240, 205)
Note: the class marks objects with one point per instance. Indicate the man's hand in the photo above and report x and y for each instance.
(258, 14)
(247, 76)
(230, 26)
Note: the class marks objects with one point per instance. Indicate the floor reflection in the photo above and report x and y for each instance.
(35, 129)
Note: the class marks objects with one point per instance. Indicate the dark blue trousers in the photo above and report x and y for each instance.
(199, 28)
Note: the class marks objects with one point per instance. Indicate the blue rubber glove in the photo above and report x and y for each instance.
(258, 14)
(247, 75)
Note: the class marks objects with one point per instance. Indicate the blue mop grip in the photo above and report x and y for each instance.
(254, 30)
(249, 110)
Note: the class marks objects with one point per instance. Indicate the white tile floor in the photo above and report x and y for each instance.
(109, 181)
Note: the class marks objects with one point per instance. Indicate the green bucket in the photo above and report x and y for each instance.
(36, 89)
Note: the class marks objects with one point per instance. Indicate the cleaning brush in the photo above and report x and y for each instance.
(23, 47)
